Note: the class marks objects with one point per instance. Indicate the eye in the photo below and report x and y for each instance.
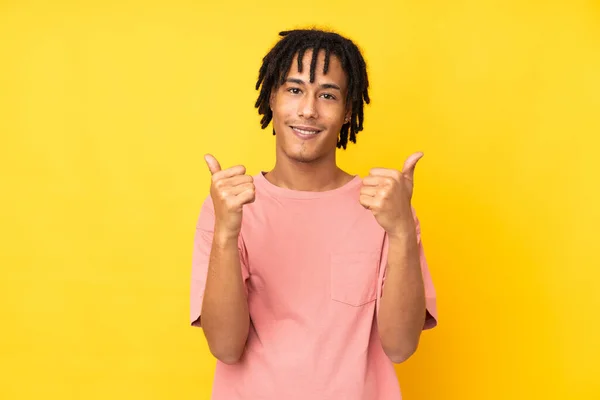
(328, 96)
(294, 90)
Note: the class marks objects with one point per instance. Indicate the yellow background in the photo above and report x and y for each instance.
(106, 109)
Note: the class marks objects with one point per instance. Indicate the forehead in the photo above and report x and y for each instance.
(335, 72)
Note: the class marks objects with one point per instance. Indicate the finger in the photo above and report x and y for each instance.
(369, 191)
(247, 196)
(372, 180)
(385, 173)
(236, 190)
(367, 202)
(213, 164)
(229, 172)
(233, 181)
(409, 165)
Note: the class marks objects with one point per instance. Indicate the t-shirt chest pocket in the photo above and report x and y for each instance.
(354, 276)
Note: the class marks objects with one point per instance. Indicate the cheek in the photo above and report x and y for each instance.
(334, 118)
(335, 113)
(281, 111)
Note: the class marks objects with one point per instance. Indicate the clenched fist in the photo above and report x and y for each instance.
(230, 189)
(388, 194)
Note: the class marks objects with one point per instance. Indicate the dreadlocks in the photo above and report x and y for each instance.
(277, 63)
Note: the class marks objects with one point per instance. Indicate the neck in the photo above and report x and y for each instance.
(316, 176)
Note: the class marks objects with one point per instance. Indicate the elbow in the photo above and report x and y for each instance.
(229, 359)
(226, 355)
(399, 344)
(226, 347)
(400, 352)
(228, 350)
(400, 356)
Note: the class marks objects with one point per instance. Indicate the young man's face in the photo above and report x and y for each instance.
(307, 117)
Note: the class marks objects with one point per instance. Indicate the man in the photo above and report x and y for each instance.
(323, 284)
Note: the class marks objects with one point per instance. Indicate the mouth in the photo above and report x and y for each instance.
(305, 131)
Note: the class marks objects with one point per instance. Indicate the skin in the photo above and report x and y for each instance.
(308, 163)
(388, 193)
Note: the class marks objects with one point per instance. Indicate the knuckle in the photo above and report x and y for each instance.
(217, 182)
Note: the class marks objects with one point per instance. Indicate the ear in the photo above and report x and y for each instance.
(348, 115)
(272, 98)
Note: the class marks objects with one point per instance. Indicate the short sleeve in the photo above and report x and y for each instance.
(200, 258)
(431, 316)
(430, 294)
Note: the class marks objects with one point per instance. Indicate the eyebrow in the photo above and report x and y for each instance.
(323, 85)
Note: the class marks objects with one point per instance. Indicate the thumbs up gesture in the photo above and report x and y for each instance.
(388, 194)
(230, 189)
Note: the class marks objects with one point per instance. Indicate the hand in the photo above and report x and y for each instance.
(388, 194)
(230, 190)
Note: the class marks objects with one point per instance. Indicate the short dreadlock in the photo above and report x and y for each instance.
(277, 63)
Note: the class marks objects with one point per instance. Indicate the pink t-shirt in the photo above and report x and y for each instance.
(314, 269)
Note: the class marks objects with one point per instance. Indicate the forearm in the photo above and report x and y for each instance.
(225, 317)
(402, 310)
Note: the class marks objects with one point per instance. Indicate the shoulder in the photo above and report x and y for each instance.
(206, 216)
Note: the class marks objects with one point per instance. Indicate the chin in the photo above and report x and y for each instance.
(302, 157)
(299, 151)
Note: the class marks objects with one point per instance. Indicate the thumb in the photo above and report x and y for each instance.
(410, 163)
(213, 164)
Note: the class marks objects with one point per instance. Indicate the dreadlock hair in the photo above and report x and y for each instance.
(277, 63)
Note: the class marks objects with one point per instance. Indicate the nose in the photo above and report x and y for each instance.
(307, 107)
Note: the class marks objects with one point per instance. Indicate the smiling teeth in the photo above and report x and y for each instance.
(306, 132)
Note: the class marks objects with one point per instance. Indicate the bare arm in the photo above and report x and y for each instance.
(402, 311)
(225, 318)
